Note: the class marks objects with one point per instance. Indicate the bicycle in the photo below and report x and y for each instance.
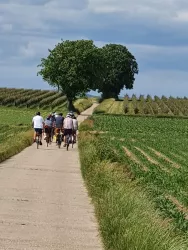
(69, 138)
(59, 138)
(47, 139)
(74, 136)
(37, 139)
(52, 134)
(48, 136)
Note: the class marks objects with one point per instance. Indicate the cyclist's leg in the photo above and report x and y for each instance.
(50, 133)
(74, 136)
(70, 133)
(34, 136)
(40, 135)
(65, 136)
(57, 134)
(62, 134)
(46, 132)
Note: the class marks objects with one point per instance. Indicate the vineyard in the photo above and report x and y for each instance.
(145, 106)
(17, 108)
(31, 98)
(154, 151)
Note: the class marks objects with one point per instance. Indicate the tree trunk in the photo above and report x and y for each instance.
(70, 105)
(106, 95)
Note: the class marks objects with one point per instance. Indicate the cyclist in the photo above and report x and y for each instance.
(48, 127)
(38, 125)
(68, 127)
(75, 127)
(59, 123)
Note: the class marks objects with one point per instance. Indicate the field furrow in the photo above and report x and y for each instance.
(155, 152)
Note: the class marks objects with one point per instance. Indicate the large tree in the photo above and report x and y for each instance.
(120, 68)
(74, 67)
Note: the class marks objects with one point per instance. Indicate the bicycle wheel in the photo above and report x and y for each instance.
(47, 140)
(67, 142)
(59, 140)
(52, 135)
(37, 142)
(72, 141)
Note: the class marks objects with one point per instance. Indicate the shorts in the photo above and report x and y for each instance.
(48, 131)
(74, 132)
(67, 132)
(38, 130)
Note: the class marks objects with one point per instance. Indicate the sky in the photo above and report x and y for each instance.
(154, 31)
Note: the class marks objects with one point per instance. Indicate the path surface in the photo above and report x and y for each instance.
(44, 203)
(87, 113)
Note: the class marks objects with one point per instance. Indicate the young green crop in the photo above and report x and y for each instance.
(155, 151)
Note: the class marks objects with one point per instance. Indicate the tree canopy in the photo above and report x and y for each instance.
(75, 67)
(120, 68)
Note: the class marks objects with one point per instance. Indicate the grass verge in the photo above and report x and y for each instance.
(83, 104)
(127, 218)
(15, 145)
(104, 106)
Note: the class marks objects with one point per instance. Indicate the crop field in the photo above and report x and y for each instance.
(154, 151)
(14, 121)
(18, 106)
(17, 116)
(145, 106)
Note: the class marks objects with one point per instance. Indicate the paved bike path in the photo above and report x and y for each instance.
(44, 203)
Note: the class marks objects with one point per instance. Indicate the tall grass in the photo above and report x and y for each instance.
(104, 106)
(83, 104)
(15, 145)
(127, 218)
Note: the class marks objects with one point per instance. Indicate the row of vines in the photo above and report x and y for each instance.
(156, 105)
(31, 98)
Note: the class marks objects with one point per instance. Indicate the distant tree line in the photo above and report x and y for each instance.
(76, 67)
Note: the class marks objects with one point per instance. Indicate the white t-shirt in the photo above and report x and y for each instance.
(75, 124)
(38, 121)
(68, 123)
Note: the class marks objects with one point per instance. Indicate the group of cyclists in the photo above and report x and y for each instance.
(54, 124)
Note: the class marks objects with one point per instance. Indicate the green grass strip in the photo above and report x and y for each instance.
(127, 218)
(15, 144)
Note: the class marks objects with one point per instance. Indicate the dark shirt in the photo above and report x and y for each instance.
(59, 121)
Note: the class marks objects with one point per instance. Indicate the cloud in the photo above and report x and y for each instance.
(160, 82)
(6, 27)
(154, 31)
(168, 10)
